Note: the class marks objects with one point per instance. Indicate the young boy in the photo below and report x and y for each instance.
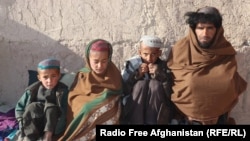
(95, 95)
(147, 85)
(41, 111)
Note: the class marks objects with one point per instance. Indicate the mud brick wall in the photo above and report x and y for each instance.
(31, 30)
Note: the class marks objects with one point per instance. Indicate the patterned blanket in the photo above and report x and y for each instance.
(8, 123)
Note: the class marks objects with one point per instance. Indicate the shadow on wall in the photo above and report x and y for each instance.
(21, 49)
(241, 111)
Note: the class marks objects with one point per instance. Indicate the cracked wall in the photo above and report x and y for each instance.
(33, 30)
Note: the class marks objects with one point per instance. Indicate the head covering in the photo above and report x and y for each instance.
(151, 41)
(209, 10)
(205, 14)
(98, 45)
(49, 64)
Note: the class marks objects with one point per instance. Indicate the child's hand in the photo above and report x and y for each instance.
(152, 68)
(142, 70)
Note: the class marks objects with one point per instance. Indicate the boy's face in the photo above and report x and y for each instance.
(149, 54)
(49, 77)
(98, 61)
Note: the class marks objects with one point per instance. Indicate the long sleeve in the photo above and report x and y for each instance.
(164, 75)
(21, 104)
(129, 74)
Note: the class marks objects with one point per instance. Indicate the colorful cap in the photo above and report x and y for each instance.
(151, 41)
(100, 45)
(49, 64)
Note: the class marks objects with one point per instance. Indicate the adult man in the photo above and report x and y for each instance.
(146, 85)
(206, 82)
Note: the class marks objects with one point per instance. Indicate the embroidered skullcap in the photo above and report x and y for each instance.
(49, 64)
(100, 45)
(151, 41)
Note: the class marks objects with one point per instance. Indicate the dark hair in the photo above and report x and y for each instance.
(195, 17)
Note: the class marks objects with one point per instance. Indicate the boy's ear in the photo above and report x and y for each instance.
(139, 52)
(38, 77)
(160, 52)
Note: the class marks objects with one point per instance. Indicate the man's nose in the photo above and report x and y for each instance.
(205, 32)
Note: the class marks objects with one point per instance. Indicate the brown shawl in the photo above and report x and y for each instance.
(206, 81)
(93, 100)
(89, 86)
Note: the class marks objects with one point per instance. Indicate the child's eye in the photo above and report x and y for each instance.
(45, 77)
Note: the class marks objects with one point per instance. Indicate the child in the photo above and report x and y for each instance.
(147, 85)
(95, 95)
(41, 110)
